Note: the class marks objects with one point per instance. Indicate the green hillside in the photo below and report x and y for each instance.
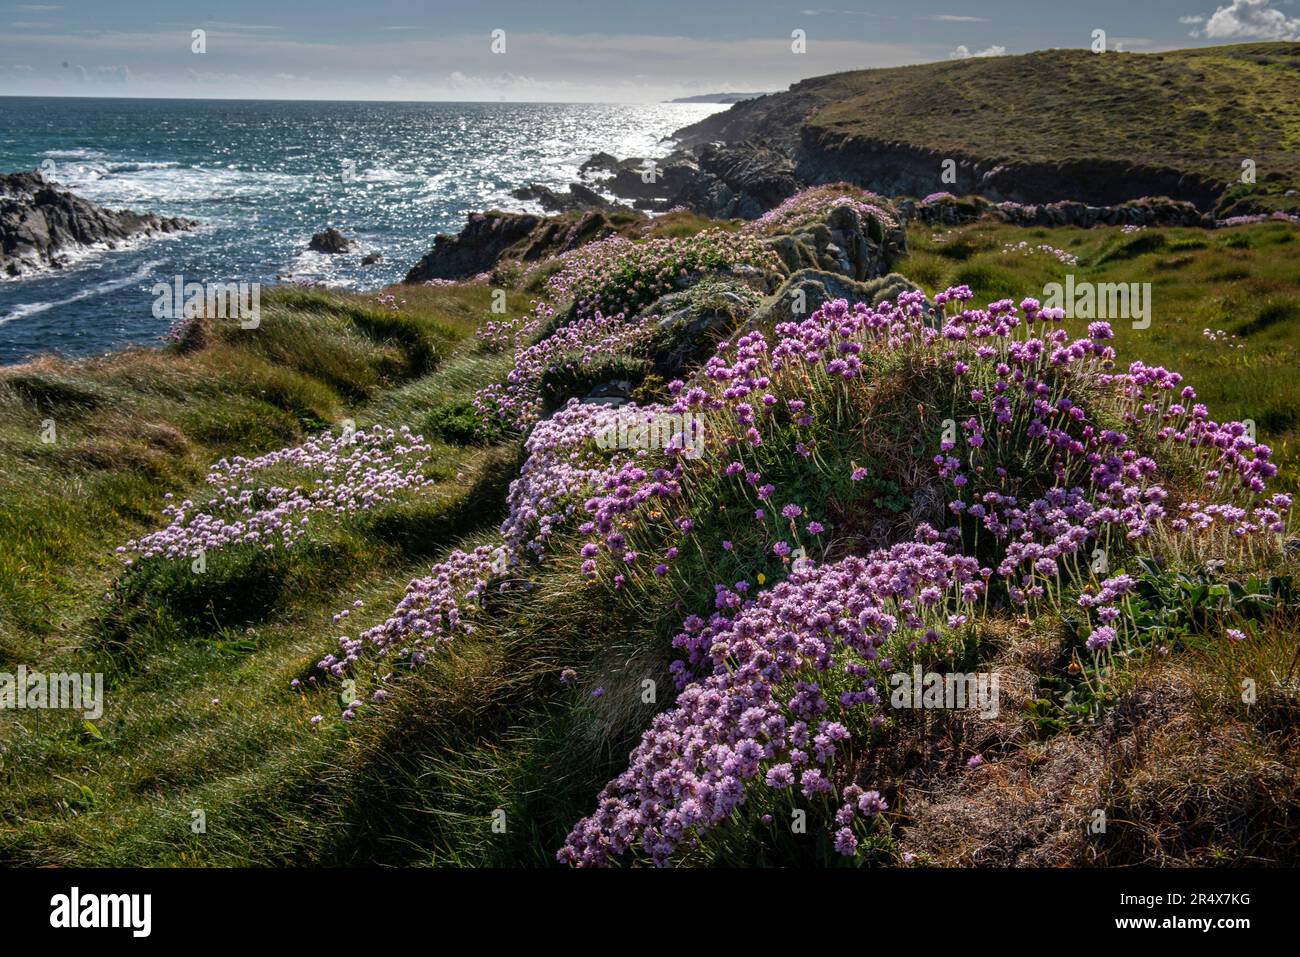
(1198, 110)
(214, 702)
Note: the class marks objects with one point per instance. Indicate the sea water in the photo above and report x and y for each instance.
(263, 176)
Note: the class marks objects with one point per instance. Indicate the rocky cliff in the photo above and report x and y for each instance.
(490, 237)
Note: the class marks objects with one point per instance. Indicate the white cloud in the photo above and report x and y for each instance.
(239, 27)
(843, 13)
(540, 66)
(1249, 20)
(963, 52)
(955, 18)
(213, 76)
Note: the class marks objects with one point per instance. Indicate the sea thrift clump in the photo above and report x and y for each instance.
(814, 205)
(1060, 255)
(619, 275)
(514, 332)
(768, 716)
(1250, 219)
(332, 474)
(1036, 482)
(1218, 335)
(562, 464)
(1053, 452)
(517, 402)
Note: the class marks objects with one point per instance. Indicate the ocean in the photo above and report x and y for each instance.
(263, 176)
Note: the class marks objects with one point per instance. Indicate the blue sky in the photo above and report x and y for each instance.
(611, 50)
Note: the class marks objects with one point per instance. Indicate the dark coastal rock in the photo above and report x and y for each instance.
(720, 181)
(846, 242)
(332, 242)
(614, 393)
(1147, 211)
(690, 322)
(477, 247)
(491, 237)
(756, 176)
(42, 226)
(599, 163)
(655, 181)
(577, 197)
(587, 198)
(548, 198)
(370, 259)
(944, 212)
(907, 169)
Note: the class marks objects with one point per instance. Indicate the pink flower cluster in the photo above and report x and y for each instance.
(619, 275)
(1250, 219)
(1060, 255)
(791, 670)
(332, 474)
(814, 205)
(1034, 473)
(517, 402)
(562, 462)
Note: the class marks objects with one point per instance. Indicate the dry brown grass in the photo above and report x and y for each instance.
(1182, 777)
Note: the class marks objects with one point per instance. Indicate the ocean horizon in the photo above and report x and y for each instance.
(262, 176)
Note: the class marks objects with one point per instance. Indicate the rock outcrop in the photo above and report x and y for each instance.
(1148, 211)
(332, 242)
(491, 237)
(577, 197)
(723, 182)
(689, 323)
(43, 227)
(906, 169)
(845, 242)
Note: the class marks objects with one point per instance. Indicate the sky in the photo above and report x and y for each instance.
(557, 50)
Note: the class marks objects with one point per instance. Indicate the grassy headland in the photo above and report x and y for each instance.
(201, 715)
(1085, 116)
(1178, 108)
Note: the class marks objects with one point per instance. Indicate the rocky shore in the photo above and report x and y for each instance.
(882, 130)
(487, 238)
(947, 210)
(746, 179)
(43, 227)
